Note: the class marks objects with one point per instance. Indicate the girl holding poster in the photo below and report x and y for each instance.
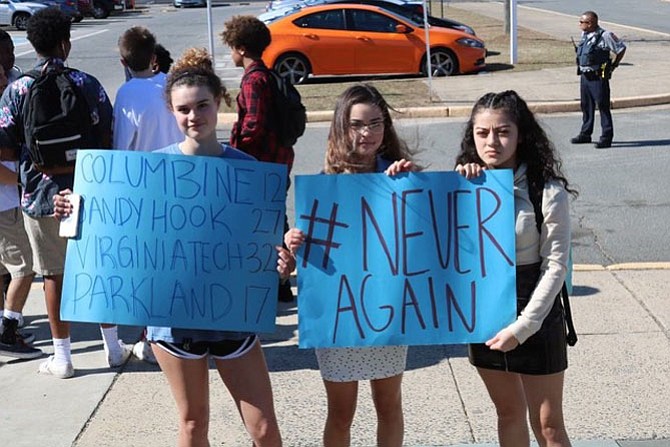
(362, 139)
(523, 365)
(194, 93)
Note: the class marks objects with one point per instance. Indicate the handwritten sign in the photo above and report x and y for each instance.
(414, 259)
(174, 240)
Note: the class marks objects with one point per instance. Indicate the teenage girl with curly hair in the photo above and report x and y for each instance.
(523, 365)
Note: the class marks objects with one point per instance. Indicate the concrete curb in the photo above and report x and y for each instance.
(463, 111)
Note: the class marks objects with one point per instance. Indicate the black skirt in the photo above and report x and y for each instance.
(545, 352)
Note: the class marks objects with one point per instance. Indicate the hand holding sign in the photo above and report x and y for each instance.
(422, 259)
(173, 240)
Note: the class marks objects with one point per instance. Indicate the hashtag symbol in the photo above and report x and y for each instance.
(328, 243)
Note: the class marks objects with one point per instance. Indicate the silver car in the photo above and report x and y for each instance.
(17, 12)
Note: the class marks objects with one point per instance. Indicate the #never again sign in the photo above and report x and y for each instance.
(415, 259)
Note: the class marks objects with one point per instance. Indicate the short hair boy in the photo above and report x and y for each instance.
(142, 120)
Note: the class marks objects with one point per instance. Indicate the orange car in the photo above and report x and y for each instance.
(350, 39)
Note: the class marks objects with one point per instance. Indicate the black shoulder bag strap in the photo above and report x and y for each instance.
(535, 195)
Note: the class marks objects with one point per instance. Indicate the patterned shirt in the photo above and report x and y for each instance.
(39, 188)
(254, 131)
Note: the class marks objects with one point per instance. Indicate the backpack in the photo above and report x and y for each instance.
(535, 195)
(290, 114)
(56, 119)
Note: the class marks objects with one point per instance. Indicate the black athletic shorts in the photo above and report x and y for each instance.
(222, 350)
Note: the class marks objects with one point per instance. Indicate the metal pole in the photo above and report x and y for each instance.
(513, 33)
(429, 65)
(210, 31)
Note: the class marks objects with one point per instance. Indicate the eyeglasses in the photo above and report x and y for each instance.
(584, 21)
(374, 127)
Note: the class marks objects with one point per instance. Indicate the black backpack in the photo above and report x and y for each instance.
(56, 119)
(290, 116)
(535, 194)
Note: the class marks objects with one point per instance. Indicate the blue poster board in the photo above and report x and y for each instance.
(174, 240)
(415, 259)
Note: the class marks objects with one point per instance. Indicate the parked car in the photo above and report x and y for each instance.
(412, 9)
(185, 3)
(85, 7)
(351, 39)
(17, 12)
(67, 7)
(101, 9)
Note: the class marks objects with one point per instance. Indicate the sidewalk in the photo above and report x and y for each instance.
(616, 391)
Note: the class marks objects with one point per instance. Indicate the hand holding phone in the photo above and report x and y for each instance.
(69, 226)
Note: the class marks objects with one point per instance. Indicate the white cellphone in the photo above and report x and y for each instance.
(69, 226)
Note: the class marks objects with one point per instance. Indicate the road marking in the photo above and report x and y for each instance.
(634, 28)
(95, 33)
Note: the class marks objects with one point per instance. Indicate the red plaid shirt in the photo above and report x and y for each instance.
(254, 131)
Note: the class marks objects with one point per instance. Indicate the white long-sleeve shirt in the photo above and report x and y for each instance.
(551, 248)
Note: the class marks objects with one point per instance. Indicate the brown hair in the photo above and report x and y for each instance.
(248, 32)
(340, 154)
(194, 69)
(137, 46)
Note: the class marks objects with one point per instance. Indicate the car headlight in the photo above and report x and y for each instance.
(470, 42)
(466, 29)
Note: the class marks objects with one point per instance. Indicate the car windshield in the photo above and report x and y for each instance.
(410, 21)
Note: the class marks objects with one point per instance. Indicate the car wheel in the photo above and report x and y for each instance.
(443, 63)
(293, 67)
(99, 11)
(78, 19)
(21, 20)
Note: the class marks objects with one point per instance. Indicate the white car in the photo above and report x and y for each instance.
(17, 12)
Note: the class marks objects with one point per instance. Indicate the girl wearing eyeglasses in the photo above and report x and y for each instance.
(362, 139)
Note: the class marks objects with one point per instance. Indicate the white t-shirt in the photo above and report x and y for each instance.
(9, 194)
(142, 121)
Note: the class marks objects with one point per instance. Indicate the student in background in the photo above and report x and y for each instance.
(14, 246)
(48, 31)
(7, 58)
(163, 60)
(255, 131)
(142, 121)
(362, 139)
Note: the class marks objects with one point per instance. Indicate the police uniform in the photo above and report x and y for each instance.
(595, 67)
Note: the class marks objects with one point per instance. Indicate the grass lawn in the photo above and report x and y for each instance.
(535, 51)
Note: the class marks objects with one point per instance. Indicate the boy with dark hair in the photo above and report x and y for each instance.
(163, 59)
(48, 31)
(7, 57)
(255, 131)
(142, 121)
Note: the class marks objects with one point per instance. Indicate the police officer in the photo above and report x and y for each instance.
(595, 66)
